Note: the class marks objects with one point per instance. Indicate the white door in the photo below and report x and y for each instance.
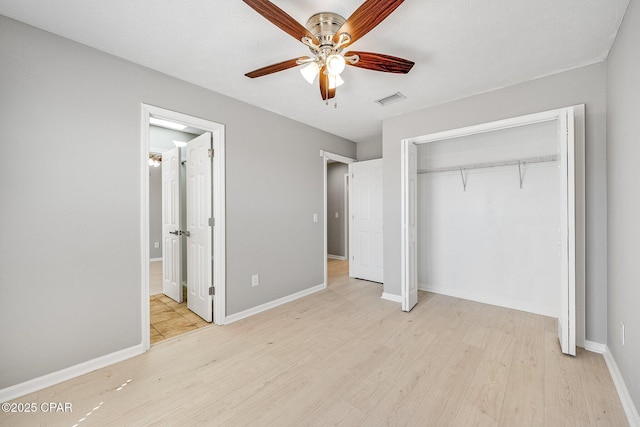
(567, 317)
(365, 228)
(409, 223)
(171, 244)
(199, 231)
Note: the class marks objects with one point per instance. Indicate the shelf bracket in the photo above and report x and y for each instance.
(464, 180)
(520, 172)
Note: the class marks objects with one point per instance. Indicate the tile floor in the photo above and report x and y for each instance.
(168, 318)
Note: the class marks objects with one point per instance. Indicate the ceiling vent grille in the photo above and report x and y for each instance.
(391, 99)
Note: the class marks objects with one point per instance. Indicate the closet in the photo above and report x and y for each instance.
(495, 213)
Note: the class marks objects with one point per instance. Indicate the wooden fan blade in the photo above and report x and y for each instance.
(280, 19)
(274, 68)
(366, 18)
(324, 85)
(380, 62)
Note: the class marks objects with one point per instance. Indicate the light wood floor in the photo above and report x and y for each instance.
(344, 356)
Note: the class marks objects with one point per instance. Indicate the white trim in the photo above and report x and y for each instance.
(595, 347)
(155, 259)
(326, 155)
(144, 229)
(481, 298)
(338, 257)
(220, 227)
(336, 157)
(273, 304)
(57, 377)
(391, 297)
(512, 122)
(346, 216)
(625, 398)
(219, 237)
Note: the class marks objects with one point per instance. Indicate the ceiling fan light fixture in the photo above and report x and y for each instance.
(335, 64)
(335, 81)
(310, 72)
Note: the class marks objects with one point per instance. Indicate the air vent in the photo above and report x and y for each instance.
(391, 99)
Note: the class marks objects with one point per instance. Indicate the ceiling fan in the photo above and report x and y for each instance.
(326, 35)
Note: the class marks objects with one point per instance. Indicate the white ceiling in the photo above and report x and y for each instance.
(460, 47)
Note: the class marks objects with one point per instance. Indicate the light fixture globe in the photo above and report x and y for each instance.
(335, 64)
(335, 81)
(310, 72)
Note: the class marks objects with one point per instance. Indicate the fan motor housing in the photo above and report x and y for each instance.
(324, 26)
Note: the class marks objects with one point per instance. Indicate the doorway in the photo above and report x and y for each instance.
(336, 196)
(568, 134)
(211, 271)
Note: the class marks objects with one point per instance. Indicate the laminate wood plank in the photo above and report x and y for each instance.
(523, 403)
(344, 356)
(565, 403)
(483, 400)
(603, 405)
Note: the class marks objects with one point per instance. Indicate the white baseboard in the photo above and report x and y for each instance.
(391, 297)
(338, 257)
(155, 259)
(57, 377)
(595, 347)
(625, 398)
(272, 304)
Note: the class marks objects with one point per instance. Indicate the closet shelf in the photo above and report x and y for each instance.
(512, 162)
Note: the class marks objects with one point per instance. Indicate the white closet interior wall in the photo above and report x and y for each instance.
(493, 242)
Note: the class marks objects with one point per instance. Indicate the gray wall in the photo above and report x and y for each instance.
(335, 203)
(70, 255)
(585, 85)
(623, 152)
(370, 149)
(155, 212)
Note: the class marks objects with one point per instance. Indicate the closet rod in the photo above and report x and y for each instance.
(523, 161)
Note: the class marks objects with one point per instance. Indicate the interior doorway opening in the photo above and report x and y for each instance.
(182, 223)
(336, 209)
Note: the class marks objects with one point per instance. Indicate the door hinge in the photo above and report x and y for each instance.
(212, 222)
(210, 152)
(212, 290)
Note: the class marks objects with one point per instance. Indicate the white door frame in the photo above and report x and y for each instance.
(346, 216)
(326, 155)
(219, 235)
(574, 208)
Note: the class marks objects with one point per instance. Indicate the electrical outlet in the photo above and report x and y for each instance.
(622, 332)
(315, 217)
(255, 280)
(156, 245)
(337, 214)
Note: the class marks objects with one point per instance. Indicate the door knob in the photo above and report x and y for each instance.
(177, 232)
